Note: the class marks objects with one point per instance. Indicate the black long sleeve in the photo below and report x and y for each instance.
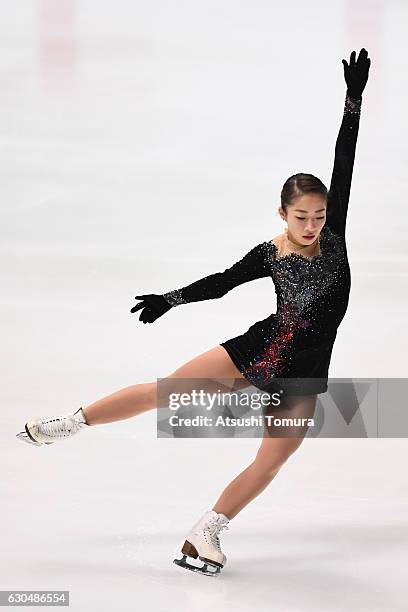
(339, 191)
(252, 266)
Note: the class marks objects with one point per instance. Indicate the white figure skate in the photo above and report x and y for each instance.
(202, 543)
(47, 430)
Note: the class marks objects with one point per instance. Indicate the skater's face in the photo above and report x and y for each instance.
(305, 216)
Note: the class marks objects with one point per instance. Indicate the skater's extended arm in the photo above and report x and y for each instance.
(356, 75)
(250, 267)
(253, 265)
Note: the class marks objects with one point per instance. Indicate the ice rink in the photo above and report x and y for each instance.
(144, 146)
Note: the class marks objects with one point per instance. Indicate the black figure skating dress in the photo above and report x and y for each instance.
(294, 344)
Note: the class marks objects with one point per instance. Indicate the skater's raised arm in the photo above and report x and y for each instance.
(339, 191)
(252, 266)
(356, 75)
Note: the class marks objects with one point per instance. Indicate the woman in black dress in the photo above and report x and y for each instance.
(288, 351)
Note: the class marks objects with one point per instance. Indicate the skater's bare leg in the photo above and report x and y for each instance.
(136, 399)
(122, 404)
(272, 454)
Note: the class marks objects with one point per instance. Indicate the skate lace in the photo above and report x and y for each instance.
(60, 426)
(213, 528)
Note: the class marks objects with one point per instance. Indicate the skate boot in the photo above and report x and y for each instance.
(46, 430)
(203, 545)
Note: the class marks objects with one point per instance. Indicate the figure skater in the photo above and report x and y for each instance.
(309, 266)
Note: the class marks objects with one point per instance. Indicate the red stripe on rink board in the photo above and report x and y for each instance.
(57, 42)
(364, 27)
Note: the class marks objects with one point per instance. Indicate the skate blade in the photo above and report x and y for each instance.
(25, 438)
(207, 569)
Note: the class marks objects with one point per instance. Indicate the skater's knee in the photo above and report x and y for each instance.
(271, 465)
(274, 453)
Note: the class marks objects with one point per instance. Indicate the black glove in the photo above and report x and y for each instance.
(154, 306)
(356, 74)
